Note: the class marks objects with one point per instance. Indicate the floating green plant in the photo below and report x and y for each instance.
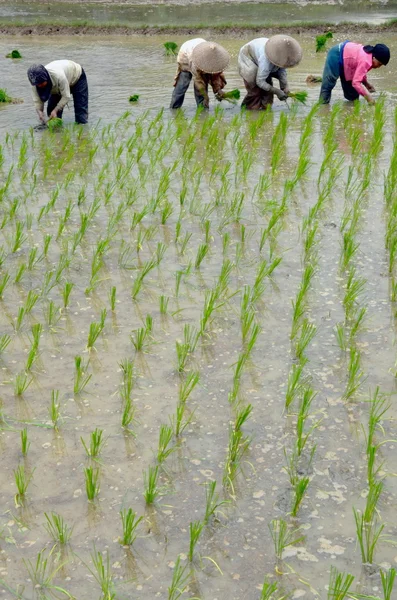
(133, 98)
(322, 39)
(14, 54)
(4, 97)
(171, 48)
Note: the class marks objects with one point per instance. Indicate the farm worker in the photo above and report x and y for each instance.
(351, 62)
(57, 82)
(205, 62)
(262, 60)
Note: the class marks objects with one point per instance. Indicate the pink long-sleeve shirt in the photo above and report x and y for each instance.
(356, 64)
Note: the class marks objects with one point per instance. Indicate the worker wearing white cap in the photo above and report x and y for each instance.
(262, 60)
(204, 62)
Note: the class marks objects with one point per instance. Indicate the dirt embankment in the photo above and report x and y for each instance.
(226, 29)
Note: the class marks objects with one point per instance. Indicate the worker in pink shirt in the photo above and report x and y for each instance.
(351, 62)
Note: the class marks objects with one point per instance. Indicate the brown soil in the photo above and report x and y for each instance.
(230, 31)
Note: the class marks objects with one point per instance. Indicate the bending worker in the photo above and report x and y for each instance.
(204, 62)
(351, 62)
(262, 60)
(57, 82)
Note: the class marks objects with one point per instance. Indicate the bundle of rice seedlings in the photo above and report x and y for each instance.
(299, 96)
(4, 97)
(231, 96)
(134, 98)
(171, 48)
(321, 40)
(313, 79)
(14, 54)
(54, 124)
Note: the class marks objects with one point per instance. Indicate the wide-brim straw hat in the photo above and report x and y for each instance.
(210, 57)
(283, 51)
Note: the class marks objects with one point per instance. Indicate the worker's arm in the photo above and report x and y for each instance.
(368, 85)
(38, 104)
(201, 86)
(282, 77)
(360, 75)
(218, 82)
(264, 72)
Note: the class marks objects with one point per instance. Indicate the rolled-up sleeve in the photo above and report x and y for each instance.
(64, 90)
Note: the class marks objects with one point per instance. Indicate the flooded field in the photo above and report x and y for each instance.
(197, 339)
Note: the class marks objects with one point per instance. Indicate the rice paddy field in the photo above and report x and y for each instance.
(197, 342)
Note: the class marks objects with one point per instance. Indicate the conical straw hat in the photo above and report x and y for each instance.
(283, 51)
(210, 57)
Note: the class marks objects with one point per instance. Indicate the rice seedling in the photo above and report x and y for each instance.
(25, 444)
(91, 476)
(182, 353)
(238, 446)
(133, 98)
(4, 97)
(295, 385)
(379, 405)
(354, 287)
(164, 301)
(298, 96)
(171, 48)
(127, 367)
(66, 291)
(355, 376)
(4, 281)
(339, 585)
(14, 54)
(54, 410)
(283, 536)
(54, 124)
(103, 575)
(42, 573)
(322, 39)
(22, 480)
(300, 489)
(368, 535)
(21, 383)
(81, 378)
(57, 528)
(201, 254)
(268, 590)
(302, 435)
(374, 493)
(372, 468)
(5, 340)
(179, 582)
(195, 530)
(96, 443)
(138, 338)
(164, 448)
(387, 579)
(128, 414)
(307, 332)
(130, 522)
(150, 480)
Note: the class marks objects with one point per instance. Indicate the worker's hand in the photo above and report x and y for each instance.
(220, 96)
(41, 116)
(286, 90)
(54, 114)
(371, 88)
(369, 99)
(281, 95)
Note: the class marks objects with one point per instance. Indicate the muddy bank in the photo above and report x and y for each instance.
(231, 30)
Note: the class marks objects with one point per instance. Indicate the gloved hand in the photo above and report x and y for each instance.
(281, 95)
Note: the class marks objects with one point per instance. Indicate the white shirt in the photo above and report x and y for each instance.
(64, 74)
(255, 67)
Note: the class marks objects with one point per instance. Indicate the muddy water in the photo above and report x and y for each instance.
(240, 543)
(219, 12)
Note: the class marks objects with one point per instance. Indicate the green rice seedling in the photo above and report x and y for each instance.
(81, 379)
(264, 270)
(96, 445)
(96, 329)
(147, 267)
(300, 489)
(24, 441)
(171, 48)
(247, 321)
(19, 237)
(268, 590)
(133, 98)
(164, 301)
(307, 332)
(201, 254)
(150, 480)
(66, 291)
(52, 314)
(295, 384)
(291, 467)
(180, 581)
(112, 298)
(54, 124)
(42, 573)
(368, 535)
(5, 339)
(30, 302)
(102, 573)
(22, 481)
(379, 405)
(355, 376)
(4, 97)
(21, 383)
(138, 338)
(54, 410)
(128, 414)
(387, 580)
(374, 493)
(238, 446)
(33, 355)
(3, 283)
(130, 522)
(178, 421)
(357, 322)
(298, 96)
(182, 353)
(91, 476)
(127, 367)
(283, 536)
(57, 528)
(339, 585)
(341, 336)
(195, 530)
(212, 502)
(242, 416)
(164, 448)
(349, 249)
(187, 385)
(372, 468)
(302, 435)
(184, 243)
(322, 39)
(14, 54)
(33, 259)
(354, 287)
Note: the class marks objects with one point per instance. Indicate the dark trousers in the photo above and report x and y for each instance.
(180, 89)
(333, 70)
(80, 100)
(256, 98)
